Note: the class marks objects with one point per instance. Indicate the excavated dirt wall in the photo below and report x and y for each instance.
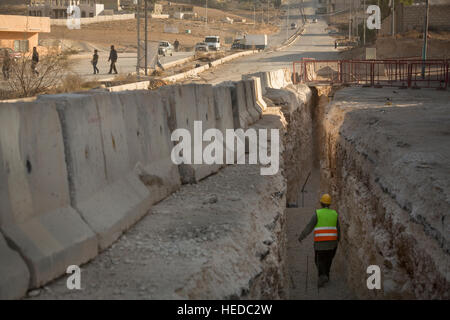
(296, 102)
(384, 158)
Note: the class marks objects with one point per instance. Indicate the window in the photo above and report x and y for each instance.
(21, 45)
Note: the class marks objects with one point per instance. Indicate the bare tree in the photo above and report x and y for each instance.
(52, 69)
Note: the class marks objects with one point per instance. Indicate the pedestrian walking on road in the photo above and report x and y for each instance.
(95, 61)
(176, 45)
(113, 59)
(6, 65)
(34, 62)
(325, 224)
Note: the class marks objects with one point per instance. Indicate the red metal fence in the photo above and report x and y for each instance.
(376, 73)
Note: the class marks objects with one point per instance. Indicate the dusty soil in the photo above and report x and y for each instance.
(123, 33)
(406, 45)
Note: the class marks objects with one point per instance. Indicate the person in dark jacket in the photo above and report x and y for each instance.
(325, 224)
(95, 61)
(34, 61)
(113, 59)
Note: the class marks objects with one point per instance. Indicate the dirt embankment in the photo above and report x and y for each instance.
(296, 105)
(385, 159)
(408, 45)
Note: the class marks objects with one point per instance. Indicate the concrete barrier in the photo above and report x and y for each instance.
(14, 275)
(34, 193)
(252, 107)
(103, 188)
(240, 109)
(149, 144)
(204, 108)
(180, 76)
(97, 19)
(258, 94)
(276, 79)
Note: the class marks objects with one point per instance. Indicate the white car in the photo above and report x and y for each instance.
(165, 48)
(314, 20)
(201, 46)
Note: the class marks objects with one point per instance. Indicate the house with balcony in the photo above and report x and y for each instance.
(57, 9)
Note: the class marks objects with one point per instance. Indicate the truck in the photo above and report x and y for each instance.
(213, 42)
(250, 41)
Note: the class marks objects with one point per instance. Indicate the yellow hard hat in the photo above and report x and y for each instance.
(325, 199)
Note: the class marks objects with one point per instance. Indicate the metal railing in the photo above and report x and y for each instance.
(403, 73)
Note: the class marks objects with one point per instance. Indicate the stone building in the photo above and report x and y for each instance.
(57, 9)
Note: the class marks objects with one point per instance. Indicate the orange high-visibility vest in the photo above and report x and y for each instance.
(326, 227)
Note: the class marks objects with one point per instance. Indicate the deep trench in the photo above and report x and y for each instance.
(302, 272)
(376, 228)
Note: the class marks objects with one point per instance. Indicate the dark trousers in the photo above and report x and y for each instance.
(323, 259)
(113, 67)
(5, 70)
(95, 68)
(33, 68)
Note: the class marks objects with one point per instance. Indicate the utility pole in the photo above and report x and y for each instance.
(206, 6)
(350, 22)
(393, 18)
(146, 37)
(268, 11)
(142, 47)
(138, 27)
(254, 14)
(287, 23)
(364, 22)
(425, 40)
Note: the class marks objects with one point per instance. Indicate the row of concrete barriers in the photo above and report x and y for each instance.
(77, 170)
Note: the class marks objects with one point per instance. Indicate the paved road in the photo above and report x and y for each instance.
(314, 43)
(126, 64)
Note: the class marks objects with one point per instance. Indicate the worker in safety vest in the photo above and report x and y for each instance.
(325, 224)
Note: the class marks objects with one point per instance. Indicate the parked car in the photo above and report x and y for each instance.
(165, 48)
(14, 55)
(293, 26)
(201, 46)
(314, 20)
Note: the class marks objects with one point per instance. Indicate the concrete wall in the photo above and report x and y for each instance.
(412, 17)
(115, 17)
(14, 23)
(77, 170)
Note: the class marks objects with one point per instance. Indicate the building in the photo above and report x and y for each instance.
(112, 4)
(341, 5)
(21, 33)
(412, 17)
(57, 9)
